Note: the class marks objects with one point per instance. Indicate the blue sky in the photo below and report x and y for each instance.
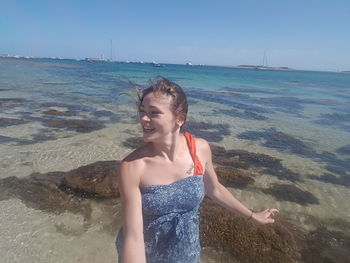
(299, 34)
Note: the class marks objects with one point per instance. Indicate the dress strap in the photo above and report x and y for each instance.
(191, 142)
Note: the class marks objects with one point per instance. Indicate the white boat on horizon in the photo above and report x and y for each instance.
(155, 64)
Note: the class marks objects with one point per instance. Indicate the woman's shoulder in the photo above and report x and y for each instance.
(202, 145)
(203, 149)
(134, 163)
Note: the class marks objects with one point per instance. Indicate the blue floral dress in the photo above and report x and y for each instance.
(171, 218)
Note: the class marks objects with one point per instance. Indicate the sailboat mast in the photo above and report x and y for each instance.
(263, 61)
(111, 42)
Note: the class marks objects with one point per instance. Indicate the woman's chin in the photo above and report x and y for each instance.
(148, 136)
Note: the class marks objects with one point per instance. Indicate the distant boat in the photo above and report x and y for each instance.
(155, 64)
(101, 59)
(264, 62)
(189, 64)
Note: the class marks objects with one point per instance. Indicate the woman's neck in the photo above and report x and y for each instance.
(169, 148)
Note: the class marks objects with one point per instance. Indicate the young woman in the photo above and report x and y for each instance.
(163, 183)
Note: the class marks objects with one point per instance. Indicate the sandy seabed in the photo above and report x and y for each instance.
(30, 235)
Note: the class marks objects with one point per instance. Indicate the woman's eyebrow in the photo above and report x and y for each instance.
(150, 106)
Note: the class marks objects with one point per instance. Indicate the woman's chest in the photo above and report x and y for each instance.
(163, 173)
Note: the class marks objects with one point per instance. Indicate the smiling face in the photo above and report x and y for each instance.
(157, 119)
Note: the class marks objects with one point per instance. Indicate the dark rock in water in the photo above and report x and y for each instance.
(6, 139)
(209, 131)
(335, 120)
(98, 179)
(217, 150)
(76, 125)
(107, 114)
(57, 192)
(323, 245)
(227, 93)
(234, 177)
(4, 122)
(246, 241)
(42, 192)
(283, 174)
(52, 112)
(291, 193)
(134, 142)
(232, 162)
(246, 114)
(278, 140)
(103, 113)
(4, 101)
(344, 150)
(251, 159)
(244, 159)
(330, 178)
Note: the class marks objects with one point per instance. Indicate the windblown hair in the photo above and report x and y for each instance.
(165, 87)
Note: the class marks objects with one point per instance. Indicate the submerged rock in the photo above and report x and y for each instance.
(263, 163)
(56, 192)
(98, 179)
(330, 178)
(4, 101)
(323, 245)
(246, 241)
(209, 131)
(4, 122)
(233, 177)
(42, 192)
(345, 150)
(134, 142)
(76, 125)
(287, 192)
(52, 112)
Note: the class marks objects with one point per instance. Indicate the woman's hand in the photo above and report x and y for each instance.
(265, 217)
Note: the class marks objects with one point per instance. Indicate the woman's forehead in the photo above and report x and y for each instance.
(156, 100)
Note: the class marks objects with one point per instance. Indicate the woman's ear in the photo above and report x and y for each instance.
(180, 121)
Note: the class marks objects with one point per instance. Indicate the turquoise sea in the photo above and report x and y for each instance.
(57, 115)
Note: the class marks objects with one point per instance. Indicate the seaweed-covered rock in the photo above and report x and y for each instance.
(261, 162)
(325, 246)
(287, 192)
(234, 177)
(98, 179)
(134, 142)
(4, 101)
(42, 192)
(4, 122)
(345, 150)
(246, 241)
(330, 178)
(52, 112)
(209, 131)
(76, 125)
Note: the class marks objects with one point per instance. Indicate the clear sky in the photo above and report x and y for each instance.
(302, 34)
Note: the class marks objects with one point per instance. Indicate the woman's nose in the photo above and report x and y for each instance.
(145, 117)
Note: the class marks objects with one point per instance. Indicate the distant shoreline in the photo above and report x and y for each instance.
(98, 60)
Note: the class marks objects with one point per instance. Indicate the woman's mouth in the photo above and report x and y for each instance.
(148, 129)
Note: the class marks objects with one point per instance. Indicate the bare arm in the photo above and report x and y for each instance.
(219, 194)
(134, 250)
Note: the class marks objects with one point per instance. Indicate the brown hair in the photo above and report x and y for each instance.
(164, 86)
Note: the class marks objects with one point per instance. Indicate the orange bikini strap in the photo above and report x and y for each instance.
(198, 169)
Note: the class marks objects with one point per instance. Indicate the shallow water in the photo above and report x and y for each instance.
(57, 115)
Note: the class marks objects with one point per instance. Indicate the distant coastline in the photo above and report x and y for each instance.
(102, 59)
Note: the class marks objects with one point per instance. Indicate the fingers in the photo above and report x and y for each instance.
(273, 211)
